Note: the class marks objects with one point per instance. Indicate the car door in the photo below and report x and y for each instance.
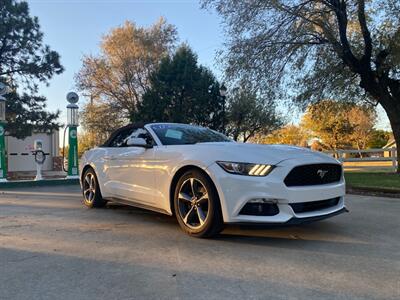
(128, 169)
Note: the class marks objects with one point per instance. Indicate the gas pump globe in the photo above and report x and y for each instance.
(3, 166)
(72, 124)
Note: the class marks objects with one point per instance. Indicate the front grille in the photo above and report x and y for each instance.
(314, 175)
(314, 205)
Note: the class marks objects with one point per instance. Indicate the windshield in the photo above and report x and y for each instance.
(180, 134)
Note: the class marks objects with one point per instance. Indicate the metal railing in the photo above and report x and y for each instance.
(371, 155)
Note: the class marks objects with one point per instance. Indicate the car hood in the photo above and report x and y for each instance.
(257, 153)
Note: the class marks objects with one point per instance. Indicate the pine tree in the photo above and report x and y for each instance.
(182, 91)
(24, 62)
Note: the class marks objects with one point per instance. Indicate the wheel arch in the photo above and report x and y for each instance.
(84, 169)
(178, 174)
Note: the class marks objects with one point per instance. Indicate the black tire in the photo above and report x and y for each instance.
(91, 190)
(188, 211)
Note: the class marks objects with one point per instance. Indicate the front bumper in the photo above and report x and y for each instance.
(294, 221)
(236, 190)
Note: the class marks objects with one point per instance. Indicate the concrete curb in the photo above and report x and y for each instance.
(375, 191)
(33, 183)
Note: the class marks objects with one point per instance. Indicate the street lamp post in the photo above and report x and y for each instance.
(72, 124)
(222, 92)
(3, 166)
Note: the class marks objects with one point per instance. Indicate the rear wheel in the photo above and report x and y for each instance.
(91, 190)
(197, 205)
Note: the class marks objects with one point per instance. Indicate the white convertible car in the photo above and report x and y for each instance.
(206, 180)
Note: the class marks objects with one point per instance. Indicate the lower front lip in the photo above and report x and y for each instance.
(293, 221)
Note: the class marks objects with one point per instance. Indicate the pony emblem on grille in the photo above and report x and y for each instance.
(322, 173)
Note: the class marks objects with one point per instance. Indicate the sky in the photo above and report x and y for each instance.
(74, 28)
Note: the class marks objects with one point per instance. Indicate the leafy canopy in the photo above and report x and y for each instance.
(317, 49)
(98, 122)
(248, 115)
(24, 62)
(182, 91)
(119, 76)
(379, 139)
(287, 135)
(340, 125)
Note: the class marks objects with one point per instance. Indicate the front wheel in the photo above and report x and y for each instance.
(91, 190)
(197, 205)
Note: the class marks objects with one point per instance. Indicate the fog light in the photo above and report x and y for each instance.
(260, 207)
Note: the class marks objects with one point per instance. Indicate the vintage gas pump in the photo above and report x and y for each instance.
(40, 158)
(72, 125)
(3, 166)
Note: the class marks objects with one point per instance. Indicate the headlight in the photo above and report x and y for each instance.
(245, 168)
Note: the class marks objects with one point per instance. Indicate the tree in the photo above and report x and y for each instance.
(318, 49)
(379, 138)
(119, 76)
(86, 141)
(363, 120)
(25, 61)
(288, 135)
(97, 128)
(248, 115)
(182, 91)
(328, 121)
(340, 125)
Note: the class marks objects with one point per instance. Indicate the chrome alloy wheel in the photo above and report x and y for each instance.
(193, 203)
(89, 187)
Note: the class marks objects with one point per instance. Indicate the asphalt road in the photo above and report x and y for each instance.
(52, 247)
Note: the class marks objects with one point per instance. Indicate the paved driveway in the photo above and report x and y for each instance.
(51, 247)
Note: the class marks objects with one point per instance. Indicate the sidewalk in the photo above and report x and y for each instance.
(30, 175)
(26, 179)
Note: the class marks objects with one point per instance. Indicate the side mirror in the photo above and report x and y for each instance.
(138, 142)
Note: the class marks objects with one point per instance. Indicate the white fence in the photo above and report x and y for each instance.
(370, 155)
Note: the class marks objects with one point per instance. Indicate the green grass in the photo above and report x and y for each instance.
(373, 180)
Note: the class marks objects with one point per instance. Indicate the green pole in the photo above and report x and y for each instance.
(3, 166)
(73, 164)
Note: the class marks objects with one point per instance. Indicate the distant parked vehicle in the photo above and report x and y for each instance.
(206, 180)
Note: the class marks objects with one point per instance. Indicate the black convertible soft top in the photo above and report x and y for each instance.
(116, 132)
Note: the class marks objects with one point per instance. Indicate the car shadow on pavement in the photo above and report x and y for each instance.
(325, 237)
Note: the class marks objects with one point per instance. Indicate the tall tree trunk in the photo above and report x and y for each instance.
(396, 132)
(387, 93)
(393, 113)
